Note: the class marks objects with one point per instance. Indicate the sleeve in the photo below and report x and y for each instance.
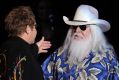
(34, 48)
(2, 64)
(103, 66)
(114, 69)
(48, 66)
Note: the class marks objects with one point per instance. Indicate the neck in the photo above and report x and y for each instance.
(25, 38)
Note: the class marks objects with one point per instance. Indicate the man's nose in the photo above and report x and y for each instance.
(78, 29)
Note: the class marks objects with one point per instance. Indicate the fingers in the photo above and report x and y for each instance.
(43, 45)
(40, 42)
(46, 44)
(42, 38)
(43, 51)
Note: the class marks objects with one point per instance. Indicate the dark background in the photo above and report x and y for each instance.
(108, 10)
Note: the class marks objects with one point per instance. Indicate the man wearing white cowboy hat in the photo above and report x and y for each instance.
(85, 54)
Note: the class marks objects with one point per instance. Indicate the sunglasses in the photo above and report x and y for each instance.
(82, 27)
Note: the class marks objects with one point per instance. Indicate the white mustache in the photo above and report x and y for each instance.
(77, 35)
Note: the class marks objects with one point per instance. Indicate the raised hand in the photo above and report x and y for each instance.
(43, 45)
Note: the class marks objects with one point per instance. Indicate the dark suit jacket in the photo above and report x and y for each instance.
(21, 60)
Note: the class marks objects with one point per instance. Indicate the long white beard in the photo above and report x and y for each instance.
(78, 50)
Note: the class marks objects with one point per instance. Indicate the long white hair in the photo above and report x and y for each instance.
(76, 52)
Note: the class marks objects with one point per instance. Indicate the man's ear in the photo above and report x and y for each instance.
(28, 29)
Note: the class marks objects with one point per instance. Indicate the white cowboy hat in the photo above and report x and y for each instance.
(86, 14)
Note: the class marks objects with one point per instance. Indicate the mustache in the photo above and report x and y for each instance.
(78, 35)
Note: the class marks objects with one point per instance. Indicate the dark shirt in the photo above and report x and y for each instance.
(21, 60)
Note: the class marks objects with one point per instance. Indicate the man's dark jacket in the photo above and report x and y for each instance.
(21, 60)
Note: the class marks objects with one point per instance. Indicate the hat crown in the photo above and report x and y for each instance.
(86, 13)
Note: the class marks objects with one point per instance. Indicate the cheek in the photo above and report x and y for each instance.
(36, 32)
(87, 32)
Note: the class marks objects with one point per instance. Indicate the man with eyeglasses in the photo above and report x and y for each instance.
(85, 54)
(20, 50)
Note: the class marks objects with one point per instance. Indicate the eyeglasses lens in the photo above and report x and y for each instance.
(82, 27)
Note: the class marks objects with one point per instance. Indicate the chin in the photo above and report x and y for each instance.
(79, 48)
(31, 42)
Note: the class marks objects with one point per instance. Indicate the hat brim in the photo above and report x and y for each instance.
(104, 25)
